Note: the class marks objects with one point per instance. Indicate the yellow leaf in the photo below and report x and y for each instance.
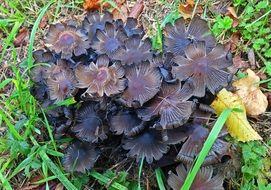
(237, 123)
(250, 93)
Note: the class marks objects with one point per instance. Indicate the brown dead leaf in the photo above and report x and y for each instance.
(269, 99)
(137, 9)
(120, 2)
(232, 14)
(239, 63)
(22, 37)
(249, 91)
(234, 39)
(120, 13)
(91, 5)
(186, 9)
(251, 59)
(43, 22)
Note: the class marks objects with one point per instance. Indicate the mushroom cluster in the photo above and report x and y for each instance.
(147, 102)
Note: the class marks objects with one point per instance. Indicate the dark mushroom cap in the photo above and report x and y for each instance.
(179, 134)
(41, 56)
(61, 86)
(88, 124)
(205, 179)
(39, 73)
(144, 82)
(101, 78)
(136, 50)
(147, 145)
(109, 41)
(125, 122)
(175, 37)
(178, 37)
(131, 27)
(194, 143)
(95, 21)
(67, 40)
(170, 104)
(80, 157)
(205, 70)
(198, 31)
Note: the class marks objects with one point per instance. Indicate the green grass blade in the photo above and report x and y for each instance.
(206, 148)
(159, 179)
(139, 173)
(11, 127)
(33, 33)
(105, 180)
(5, 182)
(56, 171)
(8, 41)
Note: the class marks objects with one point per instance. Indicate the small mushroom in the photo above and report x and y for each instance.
(95, 21)
(194, 143)
(136, 50)
(205, 179)
(204, 69)
(80, 157)
(88, 124)
(144, 82)
(101, 78)
(67, 40)
(170, 104)
(147, 145)
(109, 41)
(62, 85)
(126, 122)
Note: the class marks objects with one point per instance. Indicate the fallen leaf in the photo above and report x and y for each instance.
(238, 63)
(186, 9)
(137, 9)
(120, 2)
(91, 5)
(22, 37)
(251, 58)
(249, 91)
(120, 13)
(232, 14)
(237, 123)
(43, 22)
(234, 39)
(269, 99)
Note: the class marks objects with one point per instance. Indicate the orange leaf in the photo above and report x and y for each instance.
(91, 5)
(186, 9)
(250, 93)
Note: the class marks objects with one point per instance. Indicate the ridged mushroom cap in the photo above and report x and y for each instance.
(170, 105)
(205, 179)
(144, 82)
(67, 40)
(80, 157)
(136, 50)
(147, 145)
(101, 78)
(204, 69)
(125, 122)
(89, 125)
(95, 21)
(109, 41)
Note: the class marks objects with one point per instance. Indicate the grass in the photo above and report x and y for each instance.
(22, 150)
